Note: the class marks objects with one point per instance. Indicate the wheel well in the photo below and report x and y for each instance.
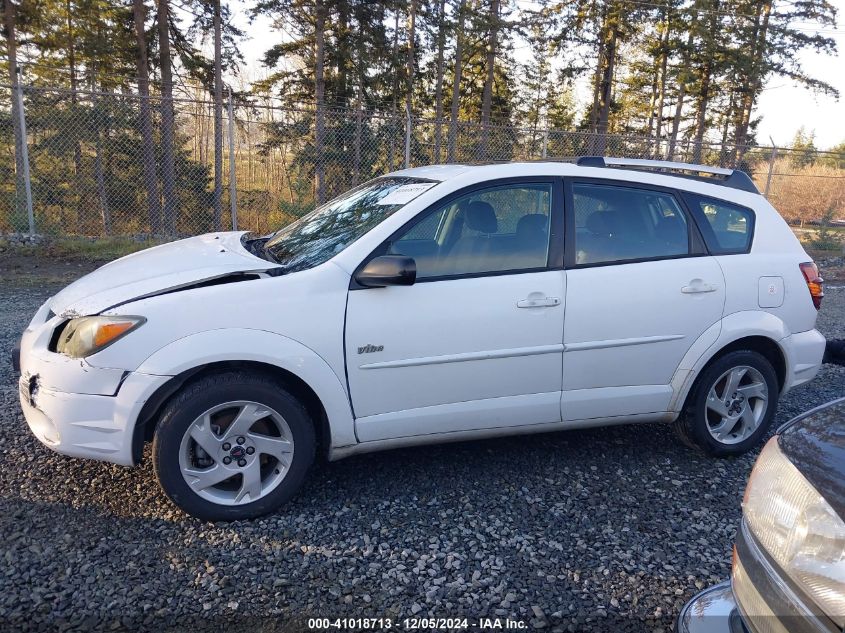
(763, 346)
(148, 418)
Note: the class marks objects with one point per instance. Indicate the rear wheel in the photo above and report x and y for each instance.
(731, 406)
(232, 446)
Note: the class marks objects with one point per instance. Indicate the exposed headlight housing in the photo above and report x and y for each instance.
(798, 529)
(84, 336)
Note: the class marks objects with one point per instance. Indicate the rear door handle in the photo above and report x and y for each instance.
(696, 286)
(544, 302)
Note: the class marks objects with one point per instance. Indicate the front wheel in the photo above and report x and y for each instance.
(731, 406)
(232, 446)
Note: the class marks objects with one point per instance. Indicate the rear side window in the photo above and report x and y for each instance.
(727, 228)
(617, 224)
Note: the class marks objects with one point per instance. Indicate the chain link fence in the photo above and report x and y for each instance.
(96, 163)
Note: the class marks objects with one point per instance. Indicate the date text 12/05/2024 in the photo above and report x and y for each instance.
(417, 624)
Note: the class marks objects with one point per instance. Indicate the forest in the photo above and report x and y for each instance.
(120, 109)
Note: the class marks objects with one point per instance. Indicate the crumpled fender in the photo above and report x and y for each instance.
(242, 344)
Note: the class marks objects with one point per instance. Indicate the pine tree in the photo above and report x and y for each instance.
(139, 15)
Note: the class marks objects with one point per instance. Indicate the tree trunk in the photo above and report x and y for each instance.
(395, 91)
(676, 121)
(606, 86)
(319, 95)
(604, 93)
(705, 82)
(661, 99)
(726, 125)
(652, 109)
(359, 125)
(701, 111)
(148, 157)
(755, 83)
(409, 62)
(656, 111)
(409, 71)
(218, 120)
(342, 38)
(74, 99)
(359, 105)
(451, 154)
(99, 172)
(594, 110)
(168, 161)
(679, 106)
(603, 81)
(438, 83)
(490, 63)
(9, 19)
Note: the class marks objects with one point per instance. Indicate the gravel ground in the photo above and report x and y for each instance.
(604, 529)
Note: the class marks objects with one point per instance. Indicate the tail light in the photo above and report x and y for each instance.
(814, 282)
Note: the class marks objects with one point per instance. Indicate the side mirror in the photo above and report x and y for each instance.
(388, 270)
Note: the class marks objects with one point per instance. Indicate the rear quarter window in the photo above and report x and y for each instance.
(727, 228)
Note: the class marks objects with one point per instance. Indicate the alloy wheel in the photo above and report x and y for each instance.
(236, 452)
(736, 404)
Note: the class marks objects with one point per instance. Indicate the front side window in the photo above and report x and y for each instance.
(727, 228)
(323, 233)
(616, 224)
(493, 230)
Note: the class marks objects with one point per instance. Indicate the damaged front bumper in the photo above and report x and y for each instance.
(87, 425)
(74, 407)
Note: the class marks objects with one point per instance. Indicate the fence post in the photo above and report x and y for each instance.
(407, 137)
(25, 154)
(545, 142)
(772, 160)
(233, 194)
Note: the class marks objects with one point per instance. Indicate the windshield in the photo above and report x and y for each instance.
(323, 233)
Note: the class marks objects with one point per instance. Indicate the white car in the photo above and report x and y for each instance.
(433, 304)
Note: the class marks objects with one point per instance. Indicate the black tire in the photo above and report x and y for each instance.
(205, 393)
(691, 427)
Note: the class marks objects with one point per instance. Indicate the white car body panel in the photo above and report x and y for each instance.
(459, 359)
(262, 347)
(647, 345)
(307, 307)
(158, 270)
(461, 340)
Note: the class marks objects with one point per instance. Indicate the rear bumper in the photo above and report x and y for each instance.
(804, 352)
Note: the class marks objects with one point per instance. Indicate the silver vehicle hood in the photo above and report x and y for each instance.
(157, 270)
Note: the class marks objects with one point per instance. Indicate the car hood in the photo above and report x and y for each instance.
(815, 443)
(158, 270)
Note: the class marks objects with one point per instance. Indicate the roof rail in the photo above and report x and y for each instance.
(733, 178)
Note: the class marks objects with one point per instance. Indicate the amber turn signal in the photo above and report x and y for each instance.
(107, 332)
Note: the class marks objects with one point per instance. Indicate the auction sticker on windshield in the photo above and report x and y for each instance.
(403, 194)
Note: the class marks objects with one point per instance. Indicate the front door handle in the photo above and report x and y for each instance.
(544, 302)
(697, 286)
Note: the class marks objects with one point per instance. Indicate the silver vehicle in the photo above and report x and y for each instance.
(789, 559)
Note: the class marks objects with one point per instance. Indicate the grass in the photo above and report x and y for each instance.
(98, 249)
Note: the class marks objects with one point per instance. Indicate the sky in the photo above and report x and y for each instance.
(784, 106)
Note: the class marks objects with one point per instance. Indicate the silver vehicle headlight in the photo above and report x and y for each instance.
(798, 528)
(84, 336)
